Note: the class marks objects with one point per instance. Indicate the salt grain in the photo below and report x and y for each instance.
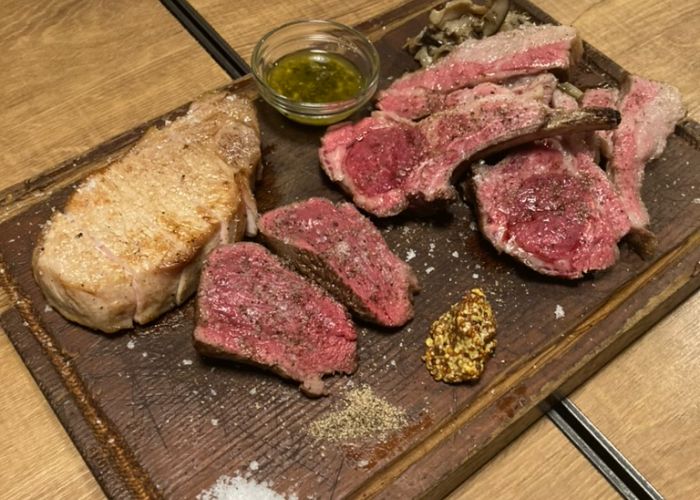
(47, 308)
(455, 254)
(696, 201)
(429, 270)
(254, 465)
(475, 276)
(214, 422)
(186, 362)
(238, 488)
(559, 312)
(410, 255)
(253, 391)
(131, 344)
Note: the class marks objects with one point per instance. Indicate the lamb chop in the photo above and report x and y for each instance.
(387, 163)
(525, 51)
(538, 87)
(553, 210)
(650, 111)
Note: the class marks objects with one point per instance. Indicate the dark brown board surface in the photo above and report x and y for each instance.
(151, 417)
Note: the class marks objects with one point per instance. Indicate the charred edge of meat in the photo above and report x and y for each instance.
(643, 241)
(560, 122)
(314, 268)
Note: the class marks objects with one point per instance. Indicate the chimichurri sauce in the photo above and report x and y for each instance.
(315, 76)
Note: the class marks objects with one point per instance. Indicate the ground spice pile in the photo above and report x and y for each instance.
(364, 416)
(461, 340)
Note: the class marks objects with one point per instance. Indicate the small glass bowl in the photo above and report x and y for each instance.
(316, 35)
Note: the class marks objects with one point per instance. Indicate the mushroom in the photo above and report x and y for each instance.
(493, 19)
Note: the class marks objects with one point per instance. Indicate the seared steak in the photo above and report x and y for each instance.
(523, 51)
(252, 309)
(388, 163)
(343, 251)
(554, 211)
(131, 239)
(650, 111)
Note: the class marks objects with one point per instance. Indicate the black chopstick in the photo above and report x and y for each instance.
(208, 38)
(602, 454)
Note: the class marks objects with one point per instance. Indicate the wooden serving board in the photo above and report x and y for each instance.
(152, 418)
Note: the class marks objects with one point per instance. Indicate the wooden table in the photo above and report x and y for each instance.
(78, 73)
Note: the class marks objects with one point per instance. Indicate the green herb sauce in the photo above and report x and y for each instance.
(315, 76)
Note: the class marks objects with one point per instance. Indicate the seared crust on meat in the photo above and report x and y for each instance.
(131, 239)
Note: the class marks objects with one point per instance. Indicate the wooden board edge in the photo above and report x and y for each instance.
(44, 185)
(683, 264)
(101, 443)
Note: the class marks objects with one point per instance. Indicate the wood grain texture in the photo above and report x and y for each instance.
(646, 402)
(72, 79)
(38, 459)
(159, 410)
(224, 16)
(658, 40)
(541, 464)
(59, 89)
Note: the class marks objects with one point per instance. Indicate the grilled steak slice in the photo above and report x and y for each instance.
(524, 51)
(554, 211)
(601, 98)
(388, 163)
(131, 239)
(650, 111)
(252, 309)
(538, 87)
(343, 251)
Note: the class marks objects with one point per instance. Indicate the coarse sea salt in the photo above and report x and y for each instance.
(410, 255)
(559, 312)
(240, 488)
(131, 344)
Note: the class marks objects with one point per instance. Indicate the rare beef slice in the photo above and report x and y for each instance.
(553, 210)
(340, 249)
(252, 309)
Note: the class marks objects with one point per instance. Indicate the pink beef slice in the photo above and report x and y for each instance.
(387, 163)
(554, 211)
(252, 309)
(650, 111)
(525, 51)
(341, 250)
(602, 98)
